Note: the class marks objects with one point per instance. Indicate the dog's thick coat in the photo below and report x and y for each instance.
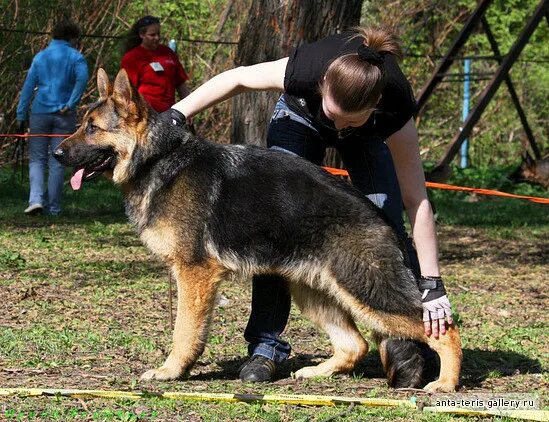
(533, 171)
(208, 210)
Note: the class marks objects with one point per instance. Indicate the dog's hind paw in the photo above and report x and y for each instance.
(440, 387)
(163, 373)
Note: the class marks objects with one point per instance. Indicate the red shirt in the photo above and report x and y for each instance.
(155, 73)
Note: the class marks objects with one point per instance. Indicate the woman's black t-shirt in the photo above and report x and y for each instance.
(307, 65)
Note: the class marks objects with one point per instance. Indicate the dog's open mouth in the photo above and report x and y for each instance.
(92, 170)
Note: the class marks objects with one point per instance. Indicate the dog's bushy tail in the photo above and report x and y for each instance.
(402, 360)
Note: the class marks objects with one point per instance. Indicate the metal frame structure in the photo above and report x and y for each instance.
(502, 74)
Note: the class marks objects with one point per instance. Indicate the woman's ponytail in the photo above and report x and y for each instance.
(355, 80)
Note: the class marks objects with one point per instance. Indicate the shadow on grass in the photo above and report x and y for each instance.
(477, 246)
(229, 370)
(106, 217)
(370, 367)
(478, 365)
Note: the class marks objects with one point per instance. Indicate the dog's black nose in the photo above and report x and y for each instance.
(58, 153)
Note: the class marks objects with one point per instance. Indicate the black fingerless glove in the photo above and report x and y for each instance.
(436, 305)
(177, 118)
(431, 287)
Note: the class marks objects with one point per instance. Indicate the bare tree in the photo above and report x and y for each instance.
(274, 27)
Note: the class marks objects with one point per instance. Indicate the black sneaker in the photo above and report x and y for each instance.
(258, 369)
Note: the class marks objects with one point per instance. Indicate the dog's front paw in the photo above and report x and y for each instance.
(164, 373)
(439, 386)
(309, 372)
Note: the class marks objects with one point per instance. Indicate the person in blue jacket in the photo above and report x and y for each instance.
(57, 78)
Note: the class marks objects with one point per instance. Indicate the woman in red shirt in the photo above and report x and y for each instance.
(153, 68)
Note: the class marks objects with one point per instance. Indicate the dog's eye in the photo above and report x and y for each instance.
(91, 128)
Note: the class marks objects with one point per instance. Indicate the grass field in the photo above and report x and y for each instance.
(84, 305)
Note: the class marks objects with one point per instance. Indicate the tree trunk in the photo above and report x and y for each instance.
(273, 28)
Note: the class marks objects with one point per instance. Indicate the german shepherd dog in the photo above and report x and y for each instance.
(532, 170)
(210, 210)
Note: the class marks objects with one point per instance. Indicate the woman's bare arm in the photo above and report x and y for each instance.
(268, 76)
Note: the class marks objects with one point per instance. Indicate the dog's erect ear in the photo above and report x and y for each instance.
(103, 83)
(122, 90)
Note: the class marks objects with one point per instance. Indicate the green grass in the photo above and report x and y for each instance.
(500, 215)
(84, 305)
(99, 199)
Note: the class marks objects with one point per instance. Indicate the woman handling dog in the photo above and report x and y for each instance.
(344, 91)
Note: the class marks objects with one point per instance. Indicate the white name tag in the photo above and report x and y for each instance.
(157, 67)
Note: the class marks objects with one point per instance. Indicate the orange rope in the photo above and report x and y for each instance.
(344, 173)
(28, 135)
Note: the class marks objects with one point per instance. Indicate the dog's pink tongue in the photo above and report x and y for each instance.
(76, 179)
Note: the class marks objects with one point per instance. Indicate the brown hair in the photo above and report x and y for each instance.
(66, 30)
(355, 81)
(133, 39)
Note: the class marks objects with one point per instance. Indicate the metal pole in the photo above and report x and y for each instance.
(494, 84)
(512, 92)
(464, 151)
(448, 59)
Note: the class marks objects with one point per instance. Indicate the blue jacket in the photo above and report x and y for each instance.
(60, 73)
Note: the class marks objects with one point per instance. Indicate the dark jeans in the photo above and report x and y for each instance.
(371, 169)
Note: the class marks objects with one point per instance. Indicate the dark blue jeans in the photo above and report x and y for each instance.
(371, 169)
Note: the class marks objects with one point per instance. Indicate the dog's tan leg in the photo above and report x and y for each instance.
(448, 347)
(196, 289)
(349, 345)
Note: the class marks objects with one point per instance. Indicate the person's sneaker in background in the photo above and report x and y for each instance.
(34, 209)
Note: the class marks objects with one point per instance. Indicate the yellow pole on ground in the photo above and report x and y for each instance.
(297, 399)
